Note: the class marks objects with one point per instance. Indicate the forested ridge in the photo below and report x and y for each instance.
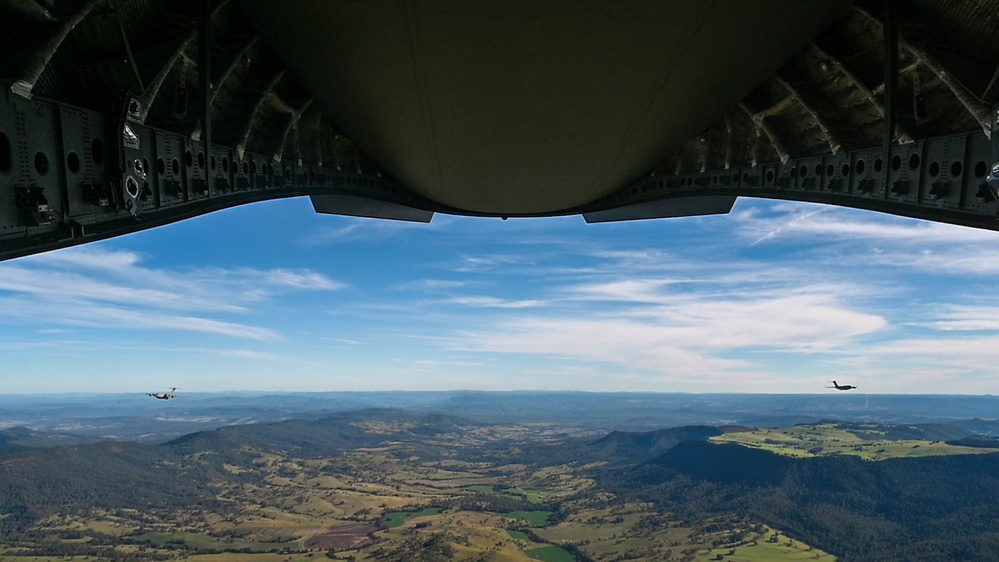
(20, 438)
(931, 509)
(111, 475)
(184, 473)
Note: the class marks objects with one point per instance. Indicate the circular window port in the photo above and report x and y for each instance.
(934, 169)
(214, 162)
(845, 170)
(73, 162)
(160, 166)
(201, 159)
(914, 161)
(131, 187)
(830, 170)
(188, 159)
(980, 169)
(41, 163)
(6, 158)
(878, 164)
(225, 164)
(97, 151)
(956, 168)
(861, 165)
(175, 166)
(896, 162)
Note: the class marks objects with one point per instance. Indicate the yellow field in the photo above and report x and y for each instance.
(768, 546)
(832, 439)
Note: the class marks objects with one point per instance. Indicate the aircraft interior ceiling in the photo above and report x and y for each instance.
(119, 115)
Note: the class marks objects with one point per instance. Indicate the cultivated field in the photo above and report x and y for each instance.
(868, 442)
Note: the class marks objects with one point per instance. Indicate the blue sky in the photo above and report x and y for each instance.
(774, 297)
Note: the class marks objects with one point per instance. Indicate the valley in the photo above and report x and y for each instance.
(397, 485)
(388, 499)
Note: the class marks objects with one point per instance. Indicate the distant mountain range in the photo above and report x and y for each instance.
(136, 417)
(21, 438)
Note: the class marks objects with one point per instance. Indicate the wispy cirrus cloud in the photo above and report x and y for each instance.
(340, 340)
(493, 302)
(114, 289)
(688, 334)
(961, 318)
(98, 316)
(430, 285)
(248, 354)
(819, 222)
(347, 230)
(635, 290)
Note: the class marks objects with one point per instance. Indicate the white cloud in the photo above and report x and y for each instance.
(967, 318)
(976, 259)
(819, 222)
(89, 258)
(306, 280)
(247, 354)
(59, 285)
(493, 302)
(98, 289)
(431, 285)
(100, 316)
(491, 262)
(341, 340)
(623, 290)
(691, 336)
(341, 229)
(790, 225)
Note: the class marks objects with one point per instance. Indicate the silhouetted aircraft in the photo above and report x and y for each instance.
(163, 395)
(841, 386)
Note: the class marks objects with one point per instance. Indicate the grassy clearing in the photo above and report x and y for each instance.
(397, 518)
(206, 542)
(550, 554)
(534, 518)
(627, 531)
(832, 439)
(532, 495)
(763, 550)
(268, 557)
(474, 536)
(519, 535)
